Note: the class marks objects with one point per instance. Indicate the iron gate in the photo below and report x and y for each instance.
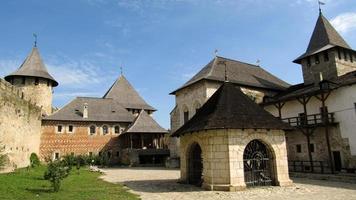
(257, 165)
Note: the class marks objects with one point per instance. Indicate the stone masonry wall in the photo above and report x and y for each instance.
(222, 156)
(20, 126)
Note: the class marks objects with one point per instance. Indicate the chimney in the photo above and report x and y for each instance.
(85, 111)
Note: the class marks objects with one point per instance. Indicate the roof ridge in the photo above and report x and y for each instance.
(242, 62)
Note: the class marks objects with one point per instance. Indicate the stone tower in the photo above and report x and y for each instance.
(35, 81)
(328, 56)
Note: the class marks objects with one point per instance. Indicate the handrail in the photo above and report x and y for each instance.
(310, 120)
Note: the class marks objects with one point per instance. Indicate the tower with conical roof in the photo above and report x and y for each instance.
(35, 81)
(328, 55)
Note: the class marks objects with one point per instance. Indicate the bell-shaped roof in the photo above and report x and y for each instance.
(324, 37)
(123, 92)
(229, 108)
(33, 67)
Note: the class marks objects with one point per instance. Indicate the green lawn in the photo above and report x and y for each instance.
(24, 184)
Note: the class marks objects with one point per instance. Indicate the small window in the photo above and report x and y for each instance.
(312, 148)
(109, 154)
(317, 60)
(56, 156)
(339, 53)
(345, 55)
(308, 62)
(118, 154)
(326, 56)
(186, 116)
(92, 130)
(72, 153)
(100, 153)
(351, 58)
(70, 129)
(105, 130)
(37, 81)
(117, 129)
(59, 129)
(23, 80)
(299, 148)
(47, 82)
(90, 154)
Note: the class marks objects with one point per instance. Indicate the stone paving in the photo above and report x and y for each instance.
(161, 184)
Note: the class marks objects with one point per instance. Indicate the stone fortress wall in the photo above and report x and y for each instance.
(20, 126)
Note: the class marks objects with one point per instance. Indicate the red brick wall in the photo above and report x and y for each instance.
(80, 142)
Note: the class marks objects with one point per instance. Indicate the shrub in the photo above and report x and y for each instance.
(34, 160)
(56, 172)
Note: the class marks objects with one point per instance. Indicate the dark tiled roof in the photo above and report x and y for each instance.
(312, 89)
(99, 110)
(229, 108)
(145, 124)
(123, 92)
(237, 72)
(34, 67)
(324, 37)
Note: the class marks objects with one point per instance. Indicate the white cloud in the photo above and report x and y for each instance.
(345, 22)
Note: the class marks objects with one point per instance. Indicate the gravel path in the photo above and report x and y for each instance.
(161, 184)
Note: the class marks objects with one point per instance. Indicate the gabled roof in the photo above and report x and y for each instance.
(324, 37)
(33, 67)
(145, 124)
(123, 92)
(237, 72)
(229, 108)
(99, 110)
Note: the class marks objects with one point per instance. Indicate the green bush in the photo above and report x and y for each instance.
(3, 157)
(34, 160)
(56, 171)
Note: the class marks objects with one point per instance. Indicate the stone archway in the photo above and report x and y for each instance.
(258, 164)
(195, 165)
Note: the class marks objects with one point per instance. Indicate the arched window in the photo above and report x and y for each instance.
(105, 129)
(197, 106)
(92, 130)
(185, 114)
(117, 129)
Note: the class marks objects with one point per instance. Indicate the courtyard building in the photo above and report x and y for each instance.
(231, 142)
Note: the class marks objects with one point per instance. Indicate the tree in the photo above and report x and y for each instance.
(55, 173)
(34, 160)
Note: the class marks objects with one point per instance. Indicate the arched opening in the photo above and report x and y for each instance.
(195, 165)
(258, 164)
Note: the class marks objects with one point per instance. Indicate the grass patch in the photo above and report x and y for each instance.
(29, 184)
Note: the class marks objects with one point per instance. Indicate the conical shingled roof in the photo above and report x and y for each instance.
(145, 124)
(229, 108)
(324, 37)
(33, 66)
(123, 92)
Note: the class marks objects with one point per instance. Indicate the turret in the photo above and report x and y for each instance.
(35, 81)
(328, 55)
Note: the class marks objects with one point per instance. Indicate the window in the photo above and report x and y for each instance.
(105, 130)
(90, 154)
(47, 82)
(308, 62)
(299, 148)
(118, 154)
(317, 61)
(186, 116)
(117, 129)
(339, 53)
(345, 55)
(72, 153)
(326, 56)
(56, 156)
(92, 130)
(70, 128)
(311, 146)
(351, 58)
(59, 129)
(100, 153)
(37, 81)
(23, 80)
(109, 154)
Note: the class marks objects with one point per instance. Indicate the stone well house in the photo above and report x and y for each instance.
(231, 143)
(86, 125)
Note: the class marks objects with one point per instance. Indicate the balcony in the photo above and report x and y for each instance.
(311, 120)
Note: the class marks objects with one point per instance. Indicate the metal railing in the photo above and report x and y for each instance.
(311, 120)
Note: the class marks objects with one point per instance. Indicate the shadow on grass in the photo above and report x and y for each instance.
(40, 190)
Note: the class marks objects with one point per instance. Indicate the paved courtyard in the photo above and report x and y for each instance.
(161, 184)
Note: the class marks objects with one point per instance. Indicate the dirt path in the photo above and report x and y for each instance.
(161, 184)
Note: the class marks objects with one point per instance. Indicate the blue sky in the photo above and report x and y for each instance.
(159, 43)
